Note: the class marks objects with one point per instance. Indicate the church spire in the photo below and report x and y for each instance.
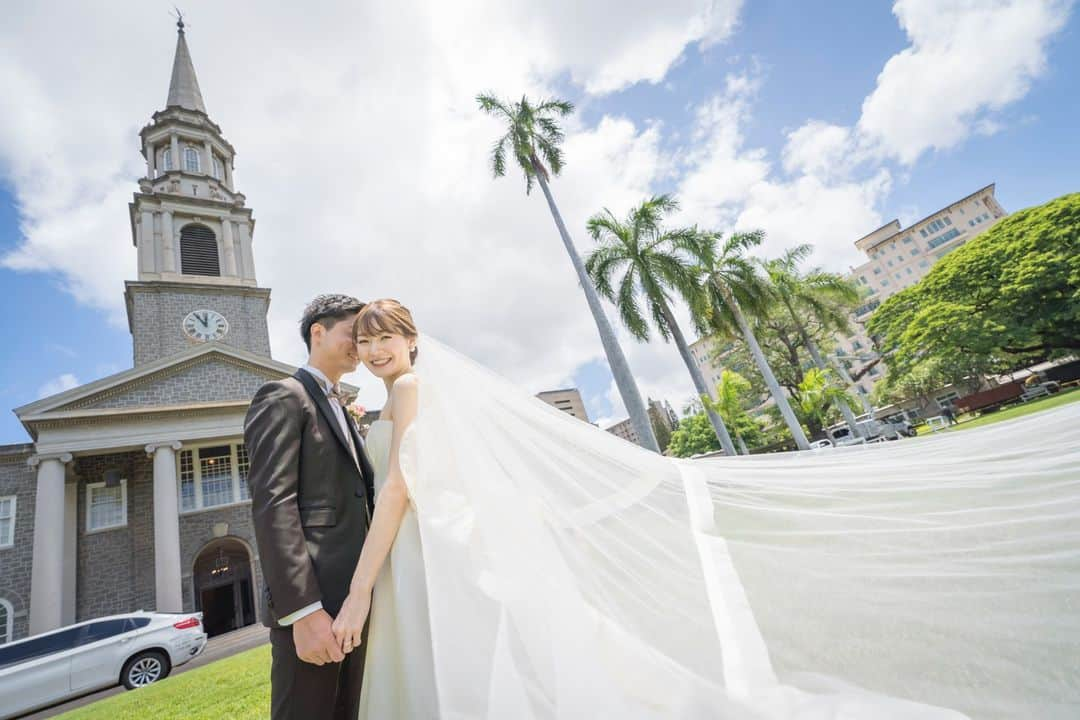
(184, 87)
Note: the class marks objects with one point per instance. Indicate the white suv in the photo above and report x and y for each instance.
(134, 649)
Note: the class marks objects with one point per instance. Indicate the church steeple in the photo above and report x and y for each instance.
(184, 86)
(193, 231)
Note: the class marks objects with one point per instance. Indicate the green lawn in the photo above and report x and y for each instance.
(237, 687)
(1011, 412)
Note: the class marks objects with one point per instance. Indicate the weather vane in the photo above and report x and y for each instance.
(179, 18)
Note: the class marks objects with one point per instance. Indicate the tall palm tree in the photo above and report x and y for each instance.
(534, 137)
(731, 282)
(652, 263)
(823, 296)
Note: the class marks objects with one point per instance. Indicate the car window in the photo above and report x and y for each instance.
(101, 630)
(134, 623)
(38, 647)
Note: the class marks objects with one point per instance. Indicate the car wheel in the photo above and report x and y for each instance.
(145, 668)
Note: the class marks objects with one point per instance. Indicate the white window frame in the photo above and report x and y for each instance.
(10, 542)
(9, 630)
(217, 167)
(90, 487)
(191, 151)
(196, 468)
(167, 160)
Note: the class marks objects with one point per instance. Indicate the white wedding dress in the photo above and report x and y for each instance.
(547, 570)
(399, 679)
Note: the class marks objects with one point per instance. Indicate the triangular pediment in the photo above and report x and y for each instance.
(206, 374)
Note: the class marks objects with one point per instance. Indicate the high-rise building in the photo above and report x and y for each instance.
(899, 257)
(568, 400)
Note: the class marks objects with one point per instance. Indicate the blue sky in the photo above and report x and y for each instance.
(803, 62)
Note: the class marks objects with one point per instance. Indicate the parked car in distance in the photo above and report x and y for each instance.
(870, 430)
(133, 649)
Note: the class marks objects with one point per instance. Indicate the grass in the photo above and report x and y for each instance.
(1011, 412)
(236, 687)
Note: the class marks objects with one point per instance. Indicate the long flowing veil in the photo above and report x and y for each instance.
(574, 575)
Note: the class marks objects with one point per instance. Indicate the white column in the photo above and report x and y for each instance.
(229, 247)
(208, 166)
(169, 595)
(168, 254)
(174, 145)
(245, 251)
(47, 568)
(146, 242)
(71, 509)
(150, 161)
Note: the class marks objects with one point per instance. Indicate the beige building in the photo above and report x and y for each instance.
(660, 412)
(899, 257)
(568, 400)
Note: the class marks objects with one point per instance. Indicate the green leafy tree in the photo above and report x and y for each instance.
(534, 138)
(733, 393)
(653, 264)
(1008, 297)
(819, 395)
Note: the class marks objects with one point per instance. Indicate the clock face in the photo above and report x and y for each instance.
(205, 325)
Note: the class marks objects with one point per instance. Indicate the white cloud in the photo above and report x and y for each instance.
(360, 150)
(58, 385)
(967, 60)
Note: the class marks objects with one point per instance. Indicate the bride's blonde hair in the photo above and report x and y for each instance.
(386, 315)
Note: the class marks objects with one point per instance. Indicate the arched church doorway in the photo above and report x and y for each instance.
(223, 586)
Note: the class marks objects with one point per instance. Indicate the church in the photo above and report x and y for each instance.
(133, 493)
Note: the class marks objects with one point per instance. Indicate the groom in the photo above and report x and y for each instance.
(311, 494)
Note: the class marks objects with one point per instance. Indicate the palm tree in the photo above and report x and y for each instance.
(817, 393)
(651, 262)
(533, 136)
(730, 392)
(824, 296)
(731, 282)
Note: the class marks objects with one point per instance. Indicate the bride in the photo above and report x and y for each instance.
(524, 564)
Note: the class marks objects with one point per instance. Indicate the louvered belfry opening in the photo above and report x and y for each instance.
(198, 251)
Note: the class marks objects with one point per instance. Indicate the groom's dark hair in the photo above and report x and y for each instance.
(327, 310)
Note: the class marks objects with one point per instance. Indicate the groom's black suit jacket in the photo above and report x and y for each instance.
(310, 502)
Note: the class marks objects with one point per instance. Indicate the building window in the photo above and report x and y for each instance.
(166, 159)
(213, 476)
(877, 271)
(922, 231)
(874, 372)
(943, 238)
(889, 262)
(7, 621)
(900, 256)
(191, 159)
(885, 282)
(947, 220)
(897, 275)
(924, 264)
(909, 271)
(914, 251)
(106, 507)
(198, 251)
(7, 521)
(217, 168)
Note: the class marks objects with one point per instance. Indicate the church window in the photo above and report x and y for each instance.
(166, 159)
(191, 159)
(7, 521)
(7, 621)
(198, 251)
(106, 507)
(213, 476)
(217, 168)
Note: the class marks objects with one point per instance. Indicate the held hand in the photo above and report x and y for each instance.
(314, 639)
(349, 623)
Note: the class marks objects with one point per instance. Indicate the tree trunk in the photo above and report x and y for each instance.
(742, 446)
(700, 385)
(770, 380)
(868, 407)
(845, 410)
(620, 369)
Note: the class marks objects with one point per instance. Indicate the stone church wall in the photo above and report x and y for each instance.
(115, 572)
(213, 380)
(157, 314)
(18, 479)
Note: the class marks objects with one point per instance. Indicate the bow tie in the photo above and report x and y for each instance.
(343, 396)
